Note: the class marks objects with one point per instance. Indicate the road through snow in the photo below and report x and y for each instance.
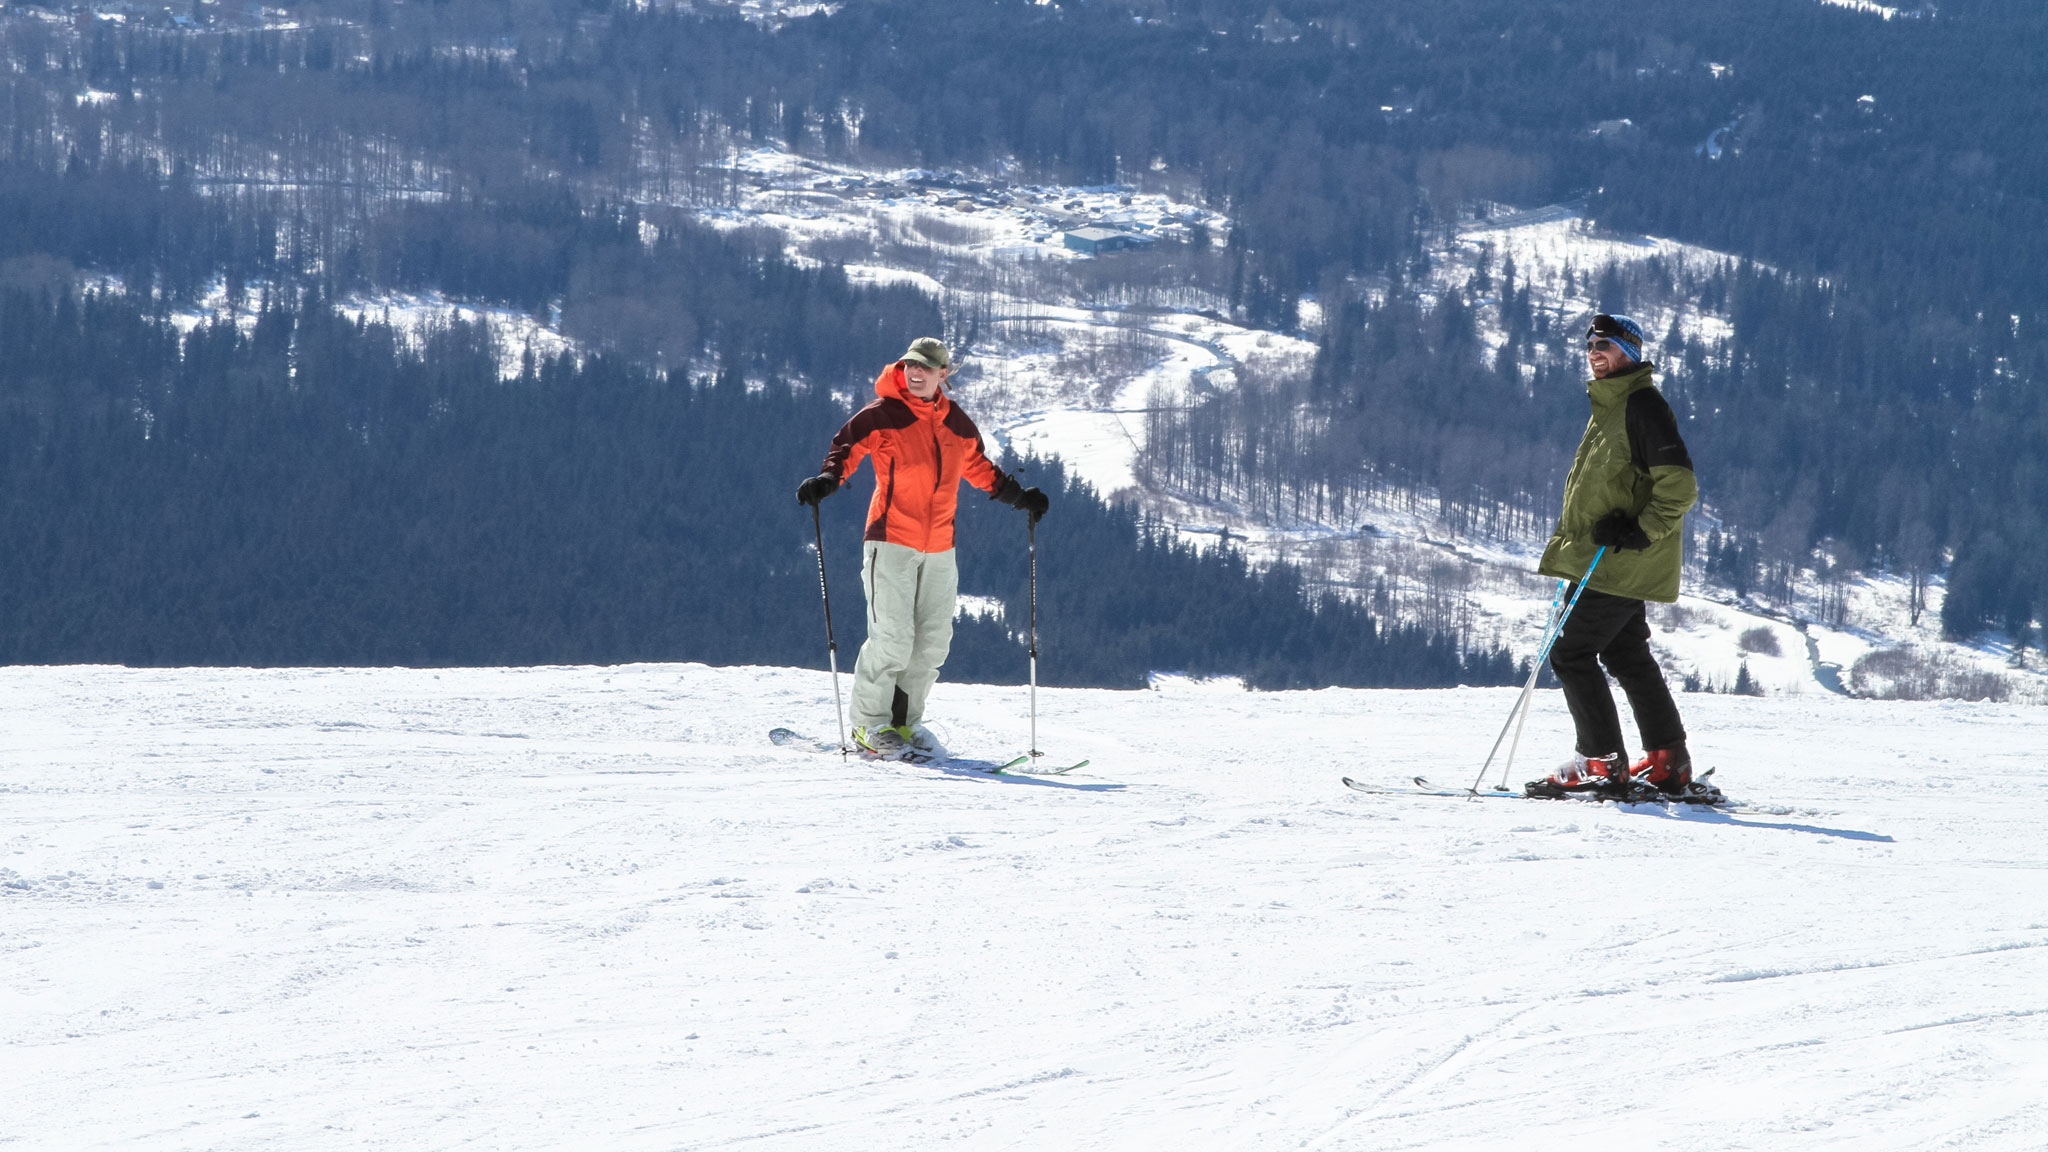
(595, 908)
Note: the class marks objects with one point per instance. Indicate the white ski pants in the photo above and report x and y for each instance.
(911, 598)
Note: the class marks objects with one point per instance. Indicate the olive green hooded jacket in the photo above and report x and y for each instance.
(1631, 458)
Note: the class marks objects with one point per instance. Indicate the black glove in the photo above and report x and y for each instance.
(1035, 502)
(1618, 529)
(817, 488)
(1017, 496)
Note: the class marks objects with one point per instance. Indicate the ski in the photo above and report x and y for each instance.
(1013, 770)
(791, 738)
(1640, 792)
(948, 763)
(963, 764)
(1424, 788)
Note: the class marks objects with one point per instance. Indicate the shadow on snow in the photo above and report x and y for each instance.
(983, 770)
(1710, 816)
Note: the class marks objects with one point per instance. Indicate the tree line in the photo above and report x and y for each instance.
(1336, 139)
(515, 151)
(1829, 438)
(300, 488)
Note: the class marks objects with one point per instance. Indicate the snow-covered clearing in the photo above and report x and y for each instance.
(1055, 370)
(594, 907)
(773, 12)
(967, 215)
(1558, 252)
(1883, 11)
(1051, 372)
(521, 339)
(413, 315)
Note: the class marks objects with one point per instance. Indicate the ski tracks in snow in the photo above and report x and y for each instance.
(544, 908)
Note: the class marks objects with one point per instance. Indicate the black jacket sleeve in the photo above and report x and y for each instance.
(1653, 439)
(1658, 451)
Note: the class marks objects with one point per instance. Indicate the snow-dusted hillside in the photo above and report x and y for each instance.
(762, 11)
(1883, 11)
(1068, 352)
(594, 908)
(1557, 251)
(1064, 354)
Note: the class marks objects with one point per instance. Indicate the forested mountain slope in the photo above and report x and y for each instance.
(1873, 405)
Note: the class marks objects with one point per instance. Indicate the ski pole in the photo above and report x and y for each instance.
(1516, 743)
(1033, 548)
(1535, 669)
(1551, 629)
(831, 642)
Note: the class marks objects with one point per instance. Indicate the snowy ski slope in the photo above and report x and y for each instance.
(565, 908)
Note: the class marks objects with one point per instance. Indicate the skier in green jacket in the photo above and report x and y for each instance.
(1628, 491)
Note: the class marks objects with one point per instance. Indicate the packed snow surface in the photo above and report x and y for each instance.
(596, 908)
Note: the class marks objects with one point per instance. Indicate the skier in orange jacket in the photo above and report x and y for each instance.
(923, 445)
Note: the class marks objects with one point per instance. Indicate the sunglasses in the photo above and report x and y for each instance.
(1602, 346)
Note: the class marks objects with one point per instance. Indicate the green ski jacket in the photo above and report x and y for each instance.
(1631, 458)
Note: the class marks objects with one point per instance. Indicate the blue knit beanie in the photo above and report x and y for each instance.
(1620, 329)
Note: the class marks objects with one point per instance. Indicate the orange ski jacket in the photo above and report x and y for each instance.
(921, 452)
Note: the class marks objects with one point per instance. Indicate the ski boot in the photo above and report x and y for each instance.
(1580, 774)
(882, 740)
(1669, 770)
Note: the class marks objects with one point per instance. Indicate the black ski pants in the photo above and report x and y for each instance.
(1615, 631)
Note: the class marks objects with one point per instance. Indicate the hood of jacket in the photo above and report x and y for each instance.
(893, 384)
(1609, 392)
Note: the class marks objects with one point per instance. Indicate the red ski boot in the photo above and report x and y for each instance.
(1581, 773)
(1668, 770)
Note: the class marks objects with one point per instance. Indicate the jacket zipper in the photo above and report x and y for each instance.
(938, 483)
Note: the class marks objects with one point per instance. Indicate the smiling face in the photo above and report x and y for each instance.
(924, 381)
(1606, 357)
